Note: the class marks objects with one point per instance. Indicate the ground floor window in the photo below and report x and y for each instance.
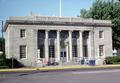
(101, 50)
(74, 50)
(85, 51)
(51, 51)
(23, 51)
(41, 47)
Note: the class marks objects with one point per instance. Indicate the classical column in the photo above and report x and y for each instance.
(80, 46)
(89, 46)
(67, 53)
(46, 45)
(58, 47)
(70, 45)
(93, 45)
(38, 54)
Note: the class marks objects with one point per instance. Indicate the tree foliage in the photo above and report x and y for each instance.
(2, 44)
(112, 60)
(9, 62)
(2, 60)
(106, 10)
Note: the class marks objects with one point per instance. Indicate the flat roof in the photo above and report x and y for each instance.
(47, 20)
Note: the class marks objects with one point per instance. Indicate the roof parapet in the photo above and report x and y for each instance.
(56, 20)
(61, 19)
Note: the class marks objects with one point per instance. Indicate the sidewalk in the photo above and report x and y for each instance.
(60, 68)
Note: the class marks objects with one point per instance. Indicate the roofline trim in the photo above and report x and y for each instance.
(30, 22)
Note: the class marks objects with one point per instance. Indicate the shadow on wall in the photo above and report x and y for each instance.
(9, 63)
(14, 63)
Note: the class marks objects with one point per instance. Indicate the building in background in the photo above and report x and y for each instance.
(37, 40)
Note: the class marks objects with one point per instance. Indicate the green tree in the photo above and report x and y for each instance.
(2, 44)
(2, 60)
(106, 10)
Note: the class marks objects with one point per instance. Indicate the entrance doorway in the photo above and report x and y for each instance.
(63, 56)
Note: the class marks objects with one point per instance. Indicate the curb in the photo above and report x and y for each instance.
(64, 68)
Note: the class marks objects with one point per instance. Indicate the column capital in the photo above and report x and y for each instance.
(35, 30)
(81, 30)
(47, 30)
(70, 30)
(92, 31)
(58, 30)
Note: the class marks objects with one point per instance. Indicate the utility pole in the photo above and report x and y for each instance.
(60, 9)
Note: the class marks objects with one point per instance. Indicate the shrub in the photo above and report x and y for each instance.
(112, 60)
(2, 60)
(8, 62)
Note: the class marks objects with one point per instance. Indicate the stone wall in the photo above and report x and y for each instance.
(13, 40)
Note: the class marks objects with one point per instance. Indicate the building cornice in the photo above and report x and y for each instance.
(56, 21)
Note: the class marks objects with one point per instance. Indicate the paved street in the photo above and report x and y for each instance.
(84, 76)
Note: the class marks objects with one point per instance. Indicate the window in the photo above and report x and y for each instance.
(51, 51)
(101, 34)
(74, 50)
(41, 48)
(22, 33)
(22, 51)
(85, 51)
(101, 50)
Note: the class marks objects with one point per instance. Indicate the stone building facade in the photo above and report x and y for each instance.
(37, 40)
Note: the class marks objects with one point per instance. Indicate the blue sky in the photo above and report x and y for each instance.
(70, 8)
(42, 7)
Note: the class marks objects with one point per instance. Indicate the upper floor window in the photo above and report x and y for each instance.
(101, 34)
(22, 33)
(23, 51)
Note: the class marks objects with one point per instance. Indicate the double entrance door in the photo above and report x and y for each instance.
(63, 57)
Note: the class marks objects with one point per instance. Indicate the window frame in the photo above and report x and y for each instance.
(20, 48)
(21, 33)
(101, 34)
(101, 52)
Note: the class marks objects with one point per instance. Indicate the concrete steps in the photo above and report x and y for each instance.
(69, 63)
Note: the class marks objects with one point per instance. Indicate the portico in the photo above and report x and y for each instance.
(64, 45)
